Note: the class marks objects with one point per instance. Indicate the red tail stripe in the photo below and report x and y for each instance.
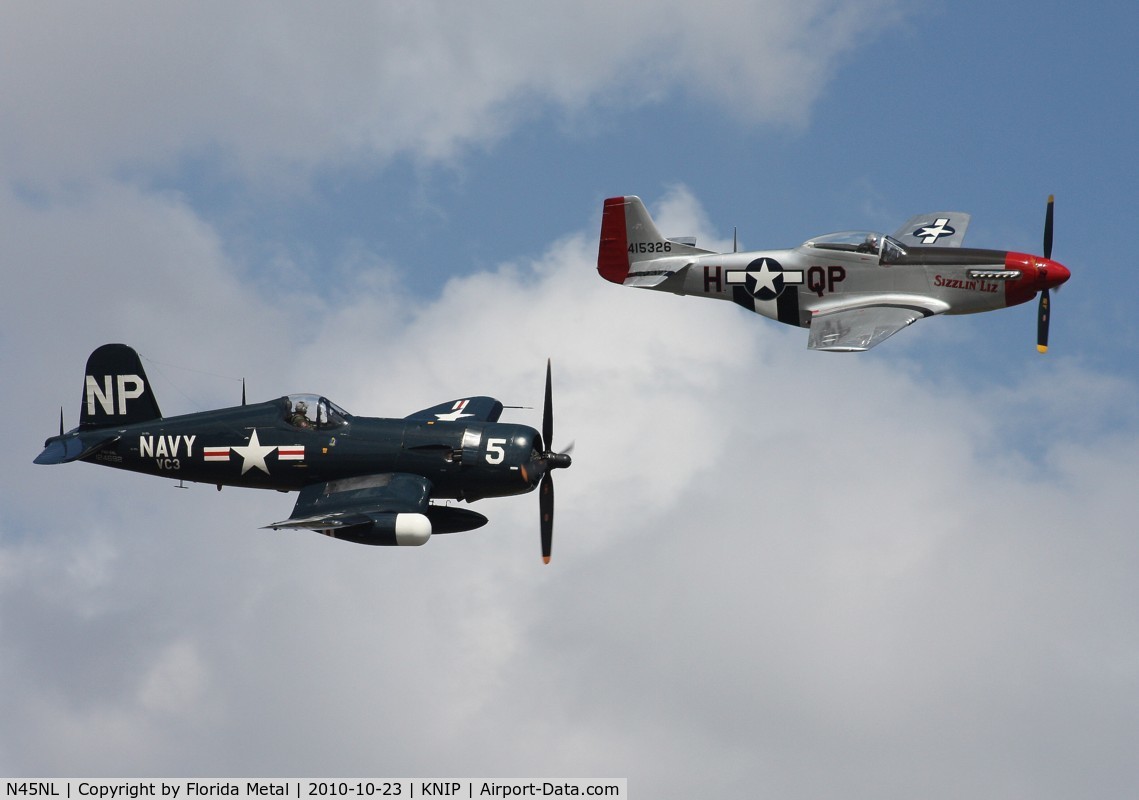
(613, 250)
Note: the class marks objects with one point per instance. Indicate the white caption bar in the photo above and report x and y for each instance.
(307, 789)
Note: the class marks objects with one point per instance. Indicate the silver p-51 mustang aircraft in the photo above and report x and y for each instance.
(853, 289)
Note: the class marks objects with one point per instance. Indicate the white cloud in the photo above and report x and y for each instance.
(790, 572)
(268, 87)
(776, 572)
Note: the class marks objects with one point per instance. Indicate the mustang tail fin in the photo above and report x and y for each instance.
(115, 390)
(628, 235)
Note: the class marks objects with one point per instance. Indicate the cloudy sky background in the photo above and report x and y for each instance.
(904, 573)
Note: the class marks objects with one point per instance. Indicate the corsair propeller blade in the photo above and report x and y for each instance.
(543, 465)
(548, 411)
(546, 507)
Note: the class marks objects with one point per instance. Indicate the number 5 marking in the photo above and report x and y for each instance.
(495, 452)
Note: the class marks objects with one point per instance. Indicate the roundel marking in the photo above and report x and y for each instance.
(929, 234)
(764, 278)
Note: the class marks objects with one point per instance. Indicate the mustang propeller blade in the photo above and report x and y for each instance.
(1044, 310)
(542, 465)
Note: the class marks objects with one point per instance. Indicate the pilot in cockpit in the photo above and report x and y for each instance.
(299, 416)
(870, 244)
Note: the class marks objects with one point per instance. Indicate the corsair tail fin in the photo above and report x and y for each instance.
(115, 390)
(629, 235)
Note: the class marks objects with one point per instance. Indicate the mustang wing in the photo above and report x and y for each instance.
(936, 229)
(482, 409)
(858, 329)
(355, 501)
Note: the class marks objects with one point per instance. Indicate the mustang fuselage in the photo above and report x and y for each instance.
(853, 289)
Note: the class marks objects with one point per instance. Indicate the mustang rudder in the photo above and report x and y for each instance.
(613, 251)
(629, 235)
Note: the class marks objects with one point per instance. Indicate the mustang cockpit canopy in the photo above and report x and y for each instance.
(887, 248)
(314, 411)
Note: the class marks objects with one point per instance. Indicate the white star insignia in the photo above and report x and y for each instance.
(931, 233)
(456, 412)
(764, 277)
(254, 454)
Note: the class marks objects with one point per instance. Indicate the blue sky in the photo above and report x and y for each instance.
(902, 573)
(976, 108)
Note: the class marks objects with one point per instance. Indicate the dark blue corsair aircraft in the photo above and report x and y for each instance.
(361, 479)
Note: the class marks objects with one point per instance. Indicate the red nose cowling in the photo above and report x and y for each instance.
(1036, 275)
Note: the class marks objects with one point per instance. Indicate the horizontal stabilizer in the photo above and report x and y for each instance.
(650, 280)
(665, 275)
(72, 447)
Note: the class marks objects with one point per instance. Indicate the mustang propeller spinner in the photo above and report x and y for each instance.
(542, 464)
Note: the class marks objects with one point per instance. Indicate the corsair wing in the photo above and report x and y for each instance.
(475, 409)
(357, 501)
(936, 229)
(859, 329)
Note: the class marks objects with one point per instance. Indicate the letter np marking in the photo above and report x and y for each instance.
(128, 386)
